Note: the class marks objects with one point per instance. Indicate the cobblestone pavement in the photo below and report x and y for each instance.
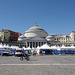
(38, 65)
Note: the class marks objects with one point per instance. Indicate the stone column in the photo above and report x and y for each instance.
(38, 43)
(26, 44)
(35, 44)
(32, 44)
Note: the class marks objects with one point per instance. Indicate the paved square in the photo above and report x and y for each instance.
(38, 65)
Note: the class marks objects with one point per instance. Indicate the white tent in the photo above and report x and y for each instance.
(58, 48)
(54, 47)
(38, 49)
(4, 46)
(7, 46)
(24, 48)
(64, 47)
(71, 47)
(1, 46)
(28, 48)
(45, 46)
(15, 47)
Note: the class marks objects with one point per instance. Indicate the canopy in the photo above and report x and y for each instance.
(1, 46)
(28, 48)
(54, 47)
(45, 46)
(71, 47)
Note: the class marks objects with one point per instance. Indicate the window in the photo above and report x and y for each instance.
(57, 39)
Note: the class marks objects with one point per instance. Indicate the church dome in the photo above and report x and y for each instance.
(35, 31)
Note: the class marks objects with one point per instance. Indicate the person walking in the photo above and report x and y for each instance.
(26, 53)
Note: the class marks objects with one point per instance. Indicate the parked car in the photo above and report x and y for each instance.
(6, 53)
(18, 52)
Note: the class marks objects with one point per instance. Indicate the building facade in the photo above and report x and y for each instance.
(62, 38)
(9, 36)
(5, 35)
(72, 36)
(34, 37)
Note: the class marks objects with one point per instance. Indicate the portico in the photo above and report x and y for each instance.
(35, 42)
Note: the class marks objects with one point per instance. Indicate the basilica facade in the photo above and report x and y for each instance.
(34, 37)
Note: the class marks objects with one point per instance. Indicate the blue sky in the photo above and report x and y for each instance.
(54, 16)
